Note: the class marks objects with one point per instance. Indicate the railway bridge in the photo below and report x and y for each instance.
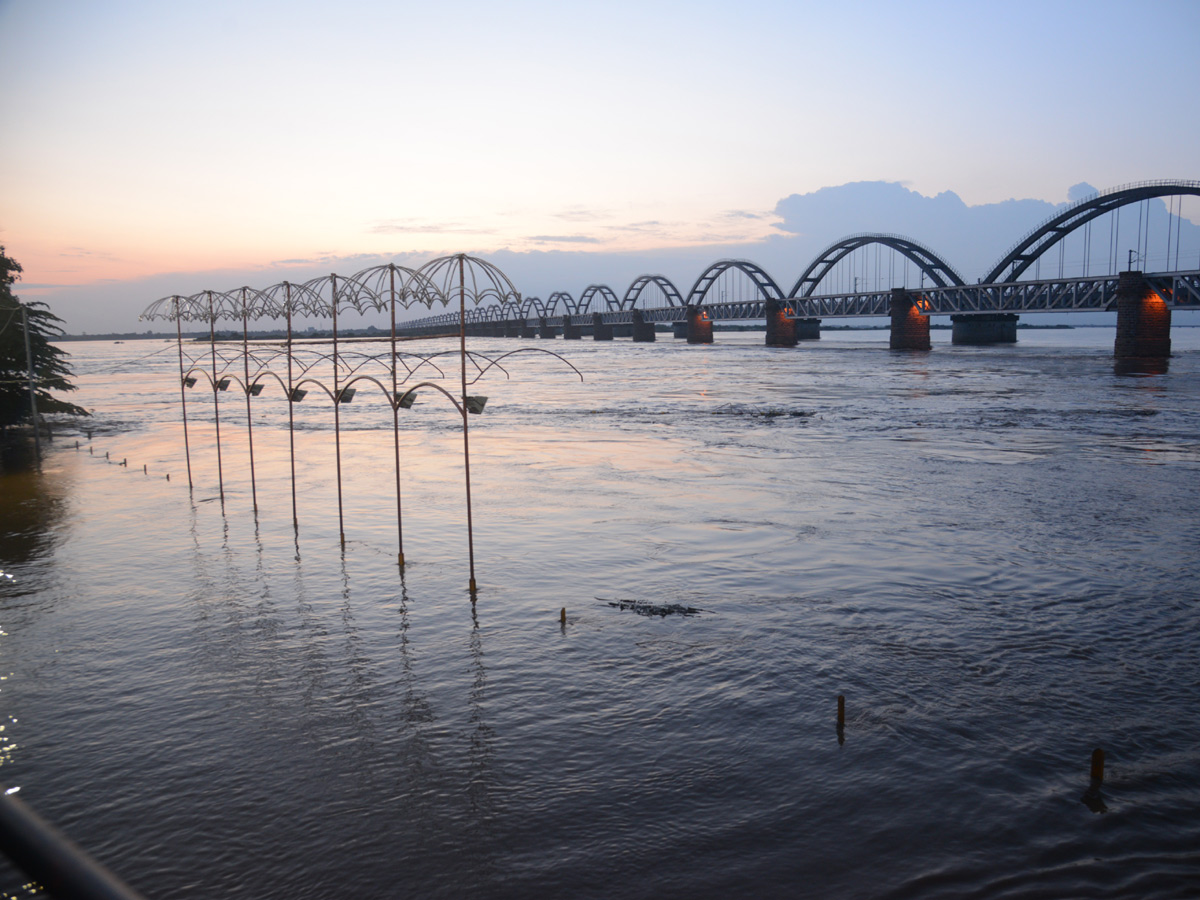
(982, 313)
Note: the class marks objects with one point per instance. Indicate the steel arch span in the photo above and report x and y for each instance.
(674, 298)
(940, 272)
(533, 306)
(1027, 250)
(564, 299)
(589, 292)
(767, 288)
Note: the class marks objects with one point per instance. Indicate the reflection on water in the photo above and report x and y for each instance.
(33, 502)
(989, 553)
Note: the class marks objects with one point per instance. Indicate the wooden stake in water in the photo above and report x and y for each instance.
(1098, 765)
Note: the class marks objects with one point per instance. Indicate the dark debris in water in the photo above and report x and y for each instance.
(646, 608)
(761, 412)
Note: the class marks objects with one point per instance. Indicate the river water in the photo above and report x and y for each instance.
(990, 552)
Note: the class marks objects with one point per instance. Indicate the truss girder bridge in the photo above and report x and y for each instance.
(1180, 290)
(654, 298)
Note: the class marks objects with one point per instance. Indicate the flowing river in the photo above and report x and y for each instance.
(991, 553)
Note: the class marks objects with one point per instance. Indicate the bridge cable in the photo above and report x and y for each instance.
(1178, 231)
(1112, 252)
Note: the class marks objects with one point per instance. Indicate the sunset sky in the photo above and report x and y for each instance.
(143, 138)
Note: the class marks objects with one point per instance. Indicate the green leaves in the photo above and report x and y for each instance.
(52, 373)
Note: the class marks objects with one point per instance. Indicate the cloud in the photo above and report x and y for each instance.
(653, 226)
(563, 239)
(84, 253)
(416, 226)
(581, 214)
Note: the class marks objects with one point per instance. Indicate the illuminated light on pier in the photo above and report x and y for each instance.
(910, 328)
(1143, 344)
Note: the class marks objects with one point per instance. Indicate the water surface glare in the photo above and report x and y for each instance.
(990, 552)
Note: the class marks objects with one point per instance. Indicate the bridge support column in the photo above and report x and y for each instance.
(1143, 344)
(781, 331)
(980, 329)
(679, 329)
(545, 329)
(699, 326)
(643, 331)
(571, 331)
(512, 328)
(600, 331)
(527, 330)
(910, 329)
(808, 329)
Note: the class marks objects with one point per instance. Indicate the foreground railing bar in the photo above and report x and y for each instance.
(51, 859)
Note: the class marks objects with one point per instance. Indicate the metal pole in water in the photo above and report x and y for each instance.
(396, 424)
(246, 387)
(212, 342)
(462, 349)
(37, 441)
(337, 437)
(291, 404)
(187, 452)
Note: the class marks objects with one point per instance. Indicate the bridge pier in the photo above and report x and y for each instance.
(601, 331)
(643, 331)
(781, 331)
(545, 329)
(1143, 344)
(571, 331)
(981, 329)
(527, 330)
(679, 329)
(910, 329)
(699, 326)
(512, 328)
(808, 329)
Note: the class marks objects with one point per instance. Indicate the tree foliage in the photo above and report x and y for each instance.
(49, 362)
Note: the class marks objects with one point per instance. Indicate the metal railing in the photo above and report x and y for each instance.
(51, 859)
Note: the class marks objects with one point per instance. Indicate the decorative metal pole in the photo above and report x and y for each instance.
(462, 351)
(337, 437)
(249, 419)
(212, 342)
(37, 441)
(291, 404)
(187, 452)
(396, 423)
